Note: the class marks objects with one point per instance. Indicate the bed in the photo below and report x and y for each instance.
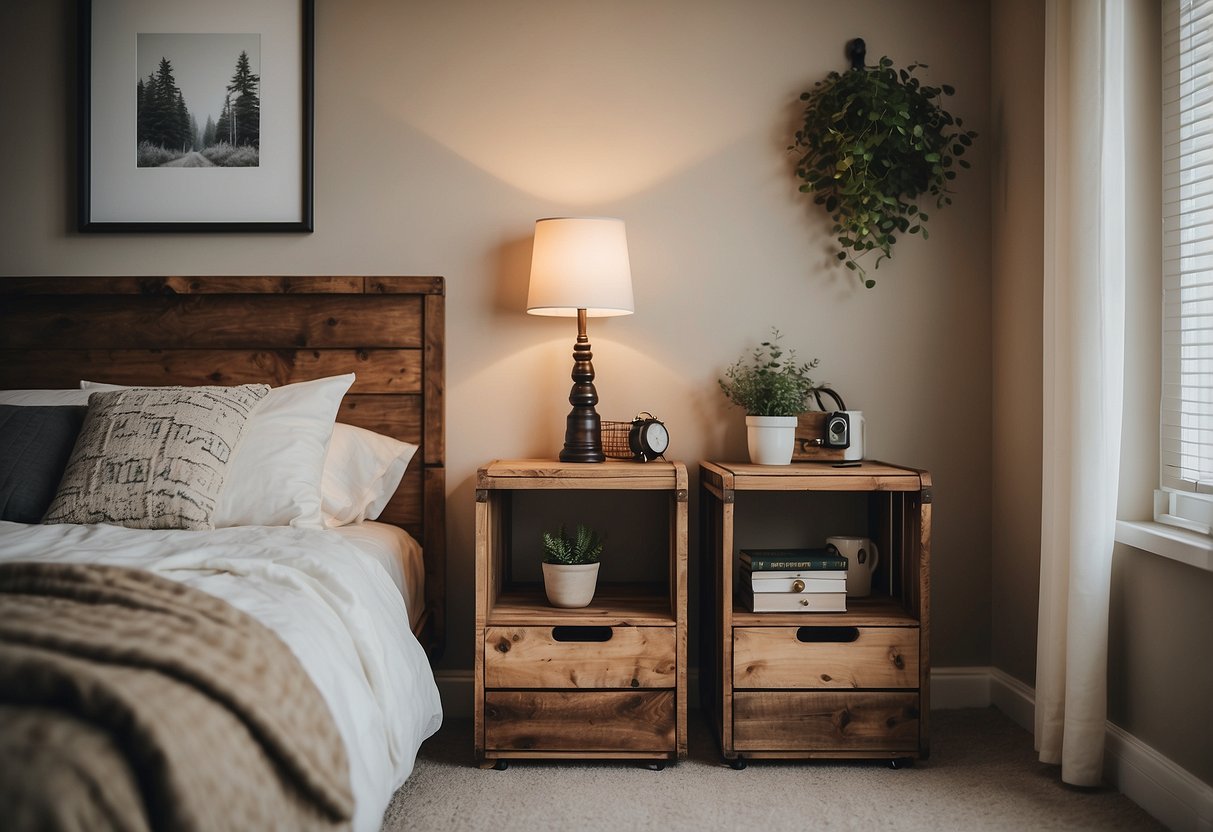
(360, 605)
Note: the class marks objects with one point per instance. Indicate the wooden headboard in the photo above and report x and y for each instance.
(55, 331)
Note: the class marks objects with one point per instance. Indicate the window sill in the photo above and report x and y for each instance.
(1177, 544)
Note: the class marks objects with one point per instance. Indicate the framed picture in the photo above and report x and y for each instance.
(196, 116)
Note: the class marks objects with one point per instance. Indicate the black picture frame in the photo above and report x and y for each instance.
(88, 220)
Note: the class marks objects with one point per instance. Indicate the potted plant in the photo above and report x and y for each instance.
(874, 140)
(570, 566)
(773, 389)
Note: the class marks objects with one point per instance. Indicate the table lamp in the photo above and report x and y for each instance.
(579, 266)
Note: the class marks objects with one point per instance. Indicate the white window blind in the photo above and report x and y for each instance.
(1187, 373)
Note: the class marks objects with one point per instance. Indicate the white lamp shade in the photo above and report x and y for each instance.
(580, 263)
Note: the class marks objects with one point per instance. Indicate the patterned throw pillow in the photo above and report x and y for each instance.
(154, 458)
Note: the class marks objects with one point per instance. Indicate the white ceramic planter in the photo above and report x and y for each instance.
(570, 585)
(771, 439)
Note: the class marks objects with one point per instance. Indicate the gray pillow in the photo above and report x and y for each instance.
(35, 443)
(154, 458)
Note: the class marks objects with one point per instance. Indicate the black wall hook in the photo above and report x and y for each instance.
(857, 50)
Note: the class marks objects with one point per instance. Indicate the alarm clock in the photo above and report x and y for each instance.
(648, 438)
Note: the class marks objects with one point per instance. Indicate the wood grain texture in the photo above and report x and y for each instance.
(225, 285)
(856, 721)
(583, 721)
(774, 657)
(377, 371)
(191, 330)
(532, 657)
(568, 709)
(211, 321)
(545, 474)
(766, 699)
(614, 605)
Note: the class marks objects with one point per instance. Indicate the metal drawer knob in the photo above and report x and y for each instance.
(798, 586)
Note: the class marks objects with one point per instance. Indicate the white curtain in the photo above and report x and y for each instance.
(1083, 375)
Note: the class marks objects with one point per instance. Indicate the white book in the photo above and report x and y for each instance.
(765, 584)
(796, 601)
(832, 574)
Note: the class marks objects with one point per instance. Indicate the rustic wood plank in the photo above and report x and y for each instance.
(182, 285)
(612, 475)
(853, 721)
(680, 570)
(532, 657)
(395, 415)
(211, 321)
(377, 371)
(585, 721)
(861, 612)
(405, 285)
(774, 657)
(484, 542)
(434, 328)
(614, 605)
(433, 539)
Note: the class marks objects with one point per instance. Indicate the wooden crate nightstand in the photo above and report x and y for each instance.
(852, 684)
(607, 681)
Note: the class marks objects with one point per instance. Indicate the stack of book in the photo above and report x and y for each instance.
(793, 580)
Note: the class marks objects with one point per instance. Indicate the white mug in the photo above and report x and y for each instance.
(854, 451)
(862, 557)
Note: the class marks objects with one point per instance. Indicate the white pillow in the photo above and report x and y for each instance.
(361, 473)
(44, 398)
(275, 476)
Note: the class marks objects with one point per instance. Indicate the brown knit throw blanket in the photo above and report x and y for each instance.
(130, 701)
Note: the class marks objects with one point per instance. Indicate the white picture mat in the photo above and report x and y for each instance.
(119, 191)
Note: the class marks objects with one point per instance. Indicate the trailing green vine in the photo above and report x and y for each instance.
(874, 140)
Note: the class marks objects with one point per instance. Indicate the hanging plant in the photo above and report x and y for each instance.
(874, 140)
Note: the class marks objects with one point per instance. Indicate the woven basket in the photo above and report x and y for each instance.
(615, 440)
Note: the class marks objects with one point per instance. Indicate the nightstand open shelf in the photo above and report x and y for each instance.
(810, 685)
(626, 605)
(606, 681)
(871, 612)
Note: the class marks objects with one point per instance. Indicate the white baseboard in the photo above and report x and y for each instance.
(1170, 793)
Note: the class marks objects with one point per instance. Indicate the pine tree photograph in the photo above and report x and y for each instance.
(198, 100)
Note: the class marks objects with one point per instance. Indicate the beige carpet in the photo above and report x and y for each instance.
(982, 775)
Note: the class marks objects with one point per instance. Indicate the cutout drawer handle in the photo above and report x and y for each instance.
(582, 634)
(817, 635)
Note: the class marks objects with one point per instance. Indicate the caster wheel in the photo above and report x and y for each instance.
(738, 764)
(500, 765)
(901, 762)
(656, 766)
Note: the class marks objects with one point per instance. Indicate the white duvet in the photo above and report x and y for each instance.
(333, 605)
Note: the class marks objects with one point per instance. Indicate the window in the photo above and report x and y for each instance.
(1186, 496)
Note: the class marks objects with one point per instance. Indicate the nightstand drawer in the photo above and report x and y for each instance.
(579, 657)
(617, 721)
(804, 721)
(825, 657)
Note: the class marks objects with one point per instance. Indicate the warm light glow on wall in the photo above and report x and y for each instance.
(580, 104)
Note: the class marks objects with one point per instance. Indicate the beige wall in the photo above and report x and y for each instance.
(443, 130)
(1160, 614)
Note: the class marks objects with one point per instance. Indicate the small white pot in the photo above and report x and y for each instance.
(570, 585)
(771, 439)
